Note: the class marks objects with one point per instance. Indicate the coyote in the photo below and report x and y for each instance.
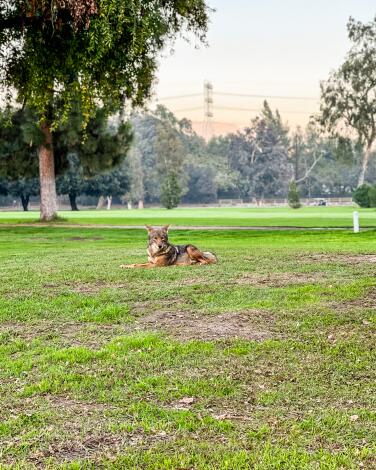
(162, 253)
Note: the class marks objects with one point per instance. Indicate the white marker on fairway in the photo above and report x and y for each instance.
(356, 221)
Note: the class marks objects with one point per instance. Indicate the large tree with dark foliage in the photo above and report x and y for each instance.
(348, 97)
(78, 154)
(259, 154)
(110, 184)
(72, 181)
(23, 188)
(18, 162)
(159, 140)
(61, 53)
(99, 149)
(17, 144)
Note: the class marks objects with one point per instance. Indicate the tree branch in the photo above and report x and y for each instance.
(309, 170)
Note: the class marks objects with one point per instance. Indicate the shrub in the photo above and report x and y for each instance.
(372, 196)
(293, 196)
(170, 192)
(361, 196)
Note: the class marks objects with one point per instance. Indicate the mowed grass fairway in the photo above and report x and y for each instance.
(263, 361)
(230, 216)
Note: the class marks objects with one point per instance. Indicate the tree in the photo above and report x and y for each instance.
(362, 195)
(77, 154)
(72, 182)
(108, 185)
(293, 196)
(259, 154)
(62, 53)
(226, 174)
(170, 192)
(372, 196)
(160, 146)
(100, 149)
(136, 176)
(18, 163)
(169, 160)
(23, 188)
(17, 145)
(348, 97)
(199, 166)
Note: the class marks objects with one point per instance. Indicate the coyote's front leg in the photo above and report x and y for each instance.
(142, 265)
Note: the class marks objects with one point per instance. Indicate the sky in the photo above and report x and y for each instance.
(270, 47)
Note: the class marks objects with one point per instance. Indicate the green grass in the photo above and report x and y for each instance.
(305, 217)
(265, 360)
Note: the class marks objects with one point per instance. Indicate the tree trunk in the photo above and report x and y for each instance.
(25, 201)
(140, 204)
(364, 168)
(48, 201)
(100, 202)
(109, 201)
(296, 163)
(72, 201)
(129, 205)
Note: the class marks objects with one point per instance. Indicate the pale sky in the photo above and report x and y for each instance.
(269, 47)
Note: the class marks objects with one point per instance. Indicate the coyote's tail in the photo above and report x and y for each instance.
(210, 257)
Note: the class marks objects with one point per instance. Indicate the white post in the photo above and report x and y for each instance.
(356, 221)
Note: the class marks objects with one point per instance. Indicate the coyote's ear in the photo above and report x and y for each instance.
(165, 228)
(149, 228)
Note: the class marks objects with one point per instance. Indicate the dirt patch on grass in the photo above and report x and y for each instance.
(279, 279)
(67, 334)
(143, 308)
(83, 288)
(93, 447)
(75, 430)
(347, 259)
(249, 325)
(368, 301)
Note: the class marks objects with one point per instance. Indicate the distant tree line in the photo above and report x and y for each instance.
(156, 158)
(60, 140)
(255, 163)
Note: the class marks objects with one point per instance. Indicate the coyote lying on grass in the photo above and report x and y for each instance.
(162, 253)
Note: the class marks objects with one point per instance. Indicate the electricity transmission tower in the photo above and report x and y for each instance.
(208, 110)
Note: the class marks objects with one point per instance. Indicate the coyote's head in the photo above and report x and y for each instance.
(158, 239)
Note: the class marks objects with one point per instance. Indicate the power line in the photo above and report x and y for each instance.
(259, 109)
(242, 95)
(303, 98)
(178, 97)
(230, 108)
(181, 110)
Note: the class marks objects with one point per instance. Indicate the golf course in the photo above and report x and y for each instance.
(227, 217)
(265, 360)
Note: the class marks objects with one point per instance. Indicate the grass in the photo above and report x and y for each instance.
(268, 217)
(265, 360)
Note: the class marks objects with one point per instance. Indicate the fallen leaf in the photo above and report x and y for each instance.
(187, 401)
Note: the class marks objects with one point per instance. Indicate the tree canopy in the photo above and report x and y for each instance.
(58, 52)
(259, 156)
(62, 55)
(348, 97)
